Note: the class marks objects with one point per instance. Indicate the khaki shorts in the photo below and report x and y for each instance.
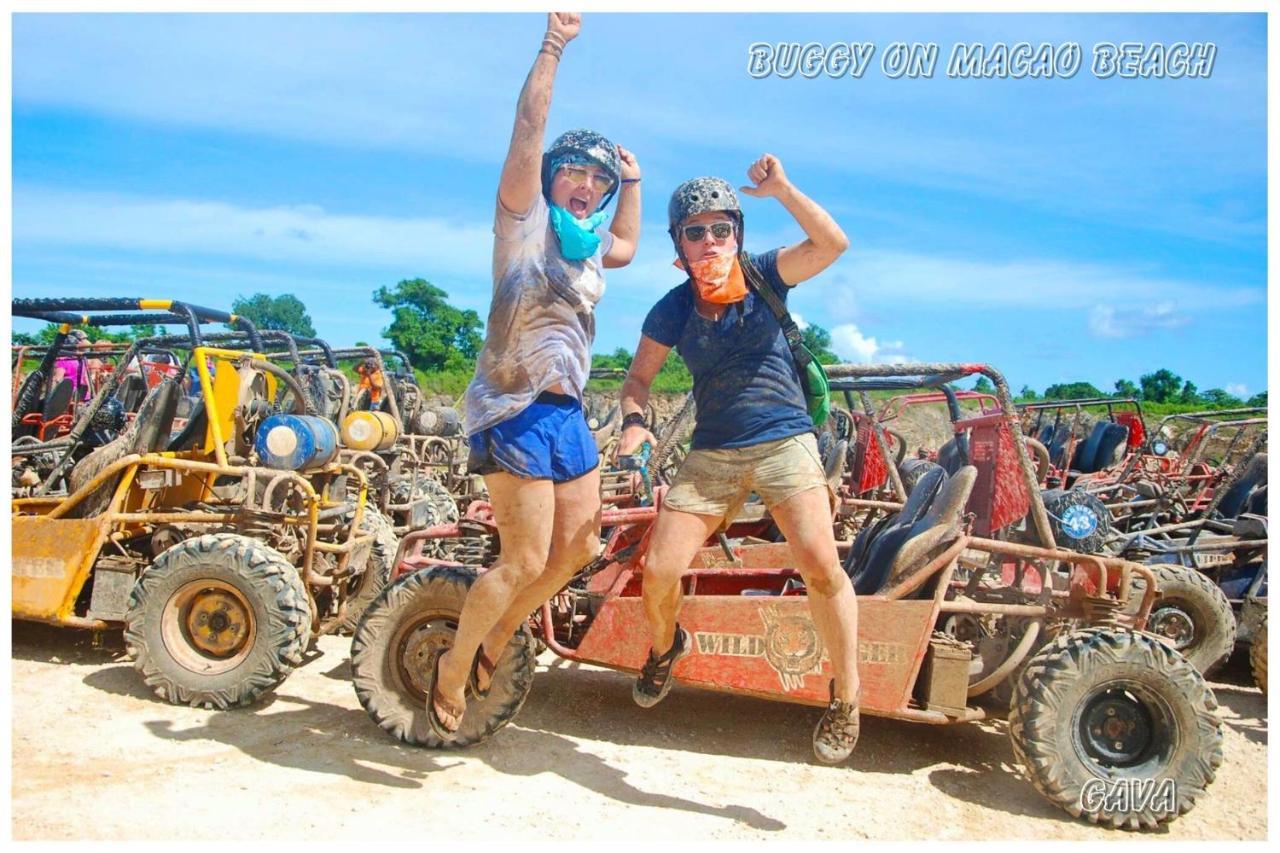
(718, 482)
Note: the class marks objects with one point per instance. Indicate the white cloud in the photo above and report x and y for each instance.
(304, 234)
(1106, 321)
(851, 344)
(800, 321)
(1237, 389)
(1129, 298)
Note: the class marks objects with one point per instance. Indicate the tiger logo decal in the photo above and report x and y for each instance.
(791, 646)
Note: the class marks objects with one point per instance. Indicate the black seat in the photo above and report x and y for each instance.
(1233, 502)
(1057, 445)
(859, 563)
(954, 454)
(148, 433)
(197, 426)
(58, 401)
(1257, 503)
(133, 388)
(906, 545)
(1099, 449)
(1110, 446)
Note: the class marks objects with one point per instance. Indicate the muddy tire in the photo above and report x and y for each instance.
(397, 639)
(377, 571)
(216, 621)
(1113, 704)
(445, 506)
(1192, 613)
(1258, 655)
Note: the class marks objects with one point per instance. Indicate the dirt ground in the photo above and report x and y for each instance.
(96, 756)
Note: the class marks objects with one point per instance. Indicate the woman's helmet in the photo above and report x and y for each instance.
(702, 195)
(581, 146)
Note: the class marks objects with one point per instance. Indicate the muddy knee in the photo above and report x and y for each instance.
(825, 580)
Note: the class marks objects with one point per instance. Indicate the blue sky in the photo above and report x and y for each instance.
(1059, 229)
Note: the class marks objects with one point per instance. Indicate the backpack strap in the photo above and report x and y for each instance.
(790, 331)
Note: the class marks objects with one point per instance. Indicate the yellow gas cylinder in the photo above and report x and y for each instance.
(369, 431)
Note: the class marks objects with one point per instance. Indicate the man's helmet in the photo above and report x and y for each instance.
(702, 195)
(581, 146)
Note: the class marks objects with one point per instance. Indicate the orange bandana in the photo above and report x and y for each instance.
(718, 279)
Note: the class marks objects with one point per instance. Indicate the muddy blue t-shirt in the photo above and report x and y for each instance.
(745, 383)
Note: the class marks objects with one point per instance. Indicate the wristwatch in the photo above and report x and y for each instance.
(633, 419)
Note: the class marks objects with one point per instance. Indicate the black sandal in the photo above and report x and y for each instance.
(836, 734)
(490, 667)
(433, 720)
(655, 679)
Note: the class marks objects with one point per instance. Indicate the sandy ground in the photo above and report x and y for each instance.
(96, 756)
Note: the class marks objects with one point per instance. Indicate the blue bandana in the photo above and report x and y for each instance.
(578, 237)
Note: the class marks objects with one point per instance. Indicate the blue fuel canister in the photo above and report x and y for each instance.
(296, 442)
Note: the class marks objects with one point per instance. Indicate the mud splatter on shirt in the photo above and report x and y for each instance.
(745, 384)
(541, 319)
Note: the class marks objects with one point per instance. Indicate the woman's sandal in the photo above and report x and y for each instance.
(433, 699)
(482, 662)
(655, 679)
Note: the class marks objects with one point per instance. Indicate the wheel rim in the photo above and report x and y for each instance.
(208, 626)
(1125, 729)
(1173, 623)
(415, 645)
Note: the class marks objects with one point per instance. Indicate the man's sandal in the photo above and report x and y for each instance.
(655, 679)
(433, 700)
(482, 664)
(837, 732)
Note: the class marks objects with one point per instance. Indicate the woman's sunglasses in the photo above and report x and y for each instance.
(719, 230)
(578, 176)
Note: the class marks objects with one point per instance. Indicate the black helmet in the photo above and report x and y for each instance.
(702, 195)
(586, 144)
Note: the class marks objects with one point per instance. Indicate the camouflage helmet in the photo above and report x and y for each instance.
(581, 145)
(702, 195)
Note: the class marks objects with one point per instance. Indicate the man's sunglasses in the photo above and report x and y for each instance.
(719, 230)
(578, 176)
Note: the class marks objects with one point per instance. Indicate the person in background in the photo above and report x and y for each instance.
(73, 367)
(372, 381)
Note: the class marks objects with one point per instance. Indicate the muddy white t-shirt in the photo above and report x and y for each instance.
(541, 321)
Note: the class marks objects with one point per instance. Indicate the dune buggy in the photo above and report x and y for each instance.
(1097, 698)
(219, 568)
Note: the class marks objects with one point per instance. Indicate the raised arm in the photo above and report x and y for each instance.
(625, 227)
(824, 240)
(522, 172)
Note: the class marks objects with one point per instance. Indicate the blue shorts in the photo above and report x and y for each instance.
(548, 440)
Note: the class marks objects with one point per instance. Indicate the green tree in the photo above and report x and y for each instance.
(1216, 398)
(983, 385)
(673, 375)
(1163, 386)
(1259, 399)
(284, 313)
(818, 341)
(1071, 391)
(1125, 388)
(434, 334)
(1188, 394)
(1027, 393)
(618, 359)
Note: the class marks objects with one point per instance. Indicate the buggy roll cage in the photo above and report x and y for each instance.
(66, 312)
(864, 378)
